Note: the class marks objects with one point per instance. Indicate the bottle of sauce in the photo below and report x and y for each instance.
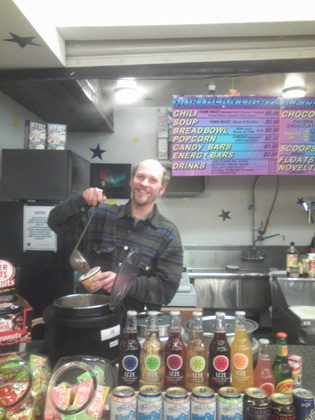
(152, 360)
(292, 262)
(196, 355)
(281, 368)
(129, 354)
(219, 355)
(242, 368)
(264, 377)
(174, 355)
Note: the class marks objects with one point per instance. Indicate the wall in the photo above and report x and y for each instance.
(198, 218)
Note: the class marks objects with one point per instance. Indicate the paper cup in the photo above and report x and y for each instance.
(87, 279)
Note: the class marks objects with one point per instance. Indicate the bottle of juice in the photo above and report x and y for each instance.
(242, 368)
(196, 355)
(152, 360)
(281, 368)
(264, 377)
(219, 355)
(129, 354)
(292, 255)
(174, 354)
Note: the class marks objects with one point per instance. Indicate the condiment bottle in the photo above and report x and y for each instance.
(281, 368)
(292, 262)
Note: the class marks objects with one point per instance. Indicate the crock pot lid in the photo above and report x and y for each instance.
(125, 277)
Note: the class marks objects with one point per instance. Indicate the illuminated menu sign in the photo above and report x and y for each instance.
(243, 135)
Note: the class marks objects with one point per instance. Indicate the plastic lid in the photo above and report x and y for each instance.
(282, 334)
(125, 277)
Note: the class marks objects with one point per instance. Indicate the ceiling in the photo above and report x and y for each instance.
(45, 65)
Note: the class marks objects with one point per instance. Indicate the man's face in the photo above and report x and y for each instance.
(146, 185)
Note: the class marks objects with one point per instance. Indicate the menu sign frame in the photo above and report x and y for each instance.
(243, 135)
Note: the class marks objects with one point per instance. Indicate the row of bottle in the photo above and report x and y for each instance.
(197, 365)
(300, 264)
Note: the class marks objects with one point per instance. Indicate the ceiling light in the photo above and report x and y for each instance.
(294, 92)
(127, 91)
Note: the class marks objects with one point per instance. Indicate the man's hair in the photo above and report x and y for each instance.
(166, 175)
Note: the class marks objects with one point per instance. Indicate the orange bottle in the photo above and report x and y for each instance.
(242, 367)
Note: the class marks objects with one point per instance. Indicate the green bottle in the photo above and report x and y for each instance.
(281, 368)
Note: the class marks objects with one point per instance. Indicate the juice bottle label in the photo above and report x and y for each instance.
(197, 364)
(269, 387)
(282, 350)
(240, 361)
(152, 363)
(221, 363)
(285, 386)
(174, 362)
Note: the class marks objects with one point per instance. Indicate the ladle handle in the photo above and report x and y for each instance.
(92, 214)
(85, 228)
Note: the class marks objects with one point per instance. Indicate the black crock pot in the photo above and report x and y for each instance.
(90, 324)
(82, 330)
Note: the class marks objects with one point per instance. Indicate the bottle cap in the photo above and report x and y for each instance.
(282, 334)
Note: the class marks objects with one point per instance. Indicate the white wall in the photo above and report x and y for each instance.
(198, 217)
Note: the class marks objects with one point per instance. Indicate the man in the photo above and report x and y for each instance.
(116, 229)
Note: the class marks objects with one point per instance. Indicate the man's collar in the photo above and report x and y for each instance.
(153, 217)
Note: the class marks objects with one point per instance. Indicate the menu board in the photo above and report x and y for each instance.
(243, 135)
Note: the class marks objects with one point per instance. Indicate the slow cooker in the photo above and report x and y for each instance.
(82, 324)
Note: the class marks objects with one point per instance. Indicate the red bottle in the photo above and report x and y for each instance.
(264, 377)
(129, 354)
(219, 355)
(174, 355)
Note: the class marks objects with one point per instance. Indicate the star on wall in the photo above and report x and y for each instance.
(22, 41)
(15, 122)
(135, 140)
(97, 152)
(300, 201)
(225, 215)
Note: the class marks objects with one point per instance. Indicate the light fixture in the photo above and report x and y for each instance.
(127, 91)
(294, 92)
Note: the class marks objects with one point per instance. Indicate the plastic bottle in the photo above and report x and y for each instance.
(281, 368)
(264, 377)
(196, 355)
(152, 360)
(174, 354)
(129, 354)
(242, 368)
(219, 355)
(292, 263)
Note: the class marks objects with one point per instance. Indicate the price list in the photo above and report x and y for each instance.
(216, 135)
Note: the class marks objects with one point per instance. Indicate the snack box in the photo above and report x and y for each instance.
(15, 324)
(56, 136)
(35, 135)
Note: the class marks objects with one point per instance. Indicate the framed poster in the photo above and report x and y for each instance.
(117, 176)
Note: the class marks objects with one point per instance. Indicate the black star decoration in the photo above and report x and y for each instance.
(300, 201)
(97, 152)
(22, 41)
(225, 215)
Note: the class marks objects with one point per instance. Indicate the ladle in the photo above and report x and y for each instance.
(77, 261)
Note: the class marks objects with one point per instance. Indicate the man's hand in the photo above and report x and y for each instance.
(105, 280)
(93, 196)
